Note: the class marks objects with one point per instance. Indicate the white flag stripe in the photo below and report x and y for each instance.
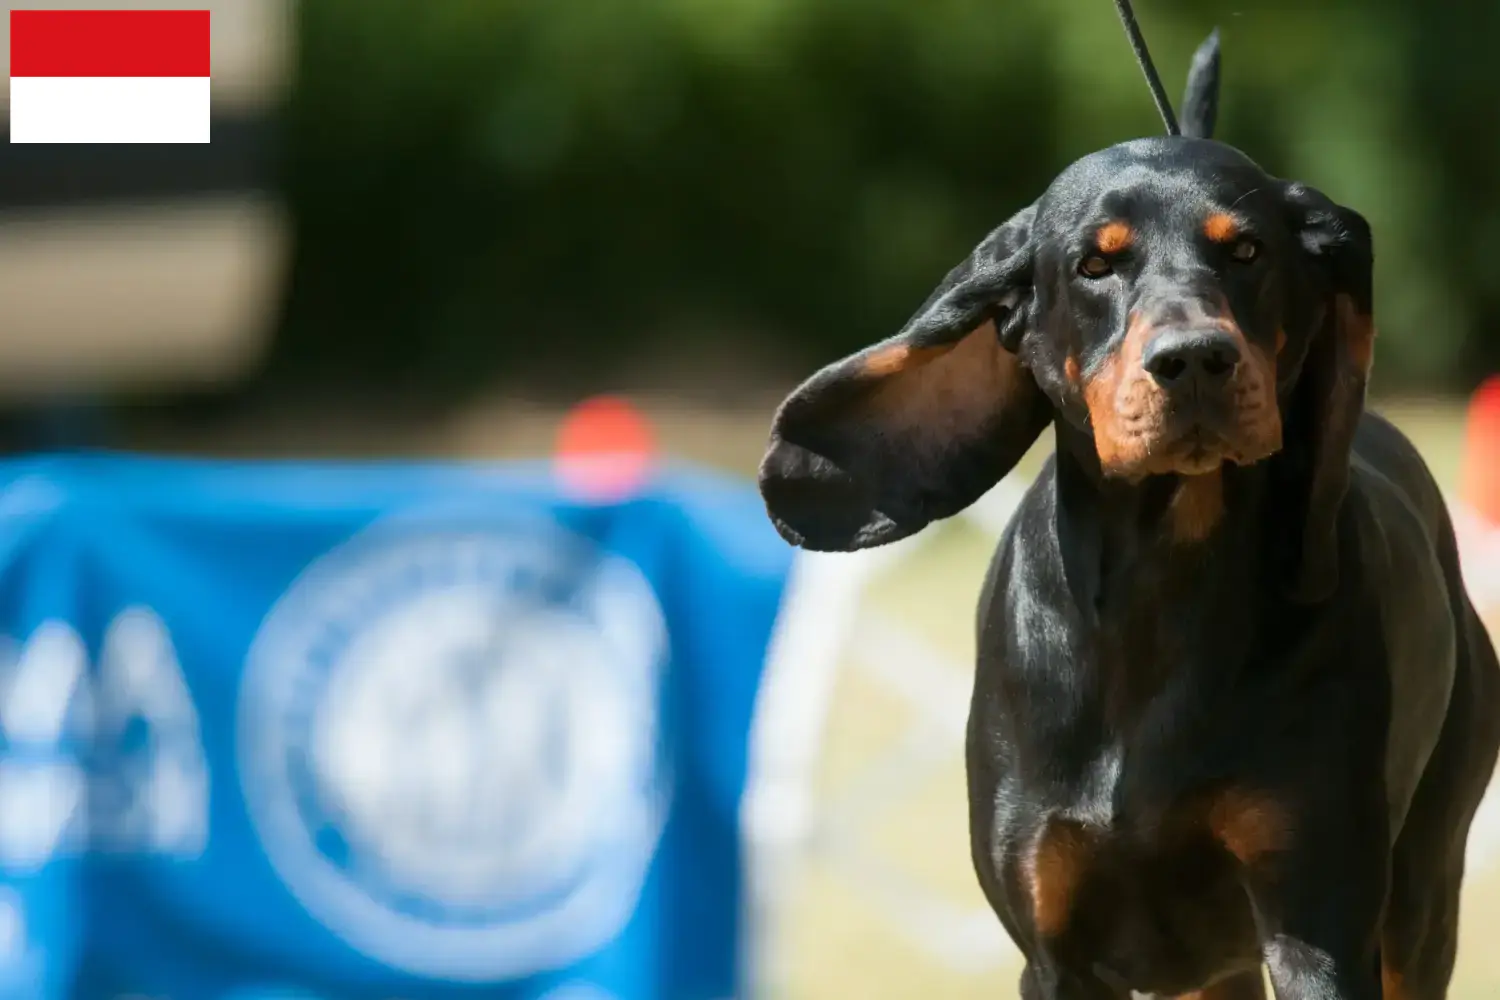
(109, 109)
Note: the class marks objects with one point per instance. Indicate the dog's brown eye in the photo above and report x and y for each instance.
(1094, 266)
(1245, 251)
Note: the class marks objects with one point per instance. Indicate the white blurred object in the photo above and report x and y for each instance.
(819, 626)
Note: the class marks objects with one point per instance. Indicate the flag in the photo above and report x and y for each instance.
(109, 75)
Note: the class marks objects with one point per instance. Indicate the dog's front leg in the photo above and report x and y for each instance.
(1318, 905)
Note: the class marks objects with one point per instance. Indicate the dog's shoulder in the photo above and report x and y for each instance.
(1390, 470)
(1406, 549)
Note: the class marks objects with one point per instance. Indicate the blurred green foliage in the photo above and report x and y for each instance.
(492, 187)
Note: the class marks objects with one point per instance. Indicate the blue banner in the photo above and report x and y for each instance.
(395, 730)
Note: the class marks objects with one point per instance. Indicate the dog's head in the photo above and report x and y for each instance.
(1165, 297)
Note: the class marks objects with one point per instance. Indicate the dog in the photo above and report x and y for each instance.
(1233, 710)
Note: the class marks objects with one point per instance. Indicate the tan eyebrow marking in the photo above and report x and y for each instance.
(1113, 237)
(1221, 227)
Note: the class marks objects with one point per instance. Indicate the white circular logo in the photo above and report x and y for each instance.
(448, 745)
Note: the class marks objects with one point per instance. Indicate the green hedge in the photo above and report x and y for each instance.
(499, 186)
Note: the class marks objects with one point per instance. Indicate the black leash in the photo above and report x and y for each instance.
(1143, 57)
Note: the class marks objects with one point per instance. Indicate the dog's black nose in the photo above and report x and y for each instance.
(1180, 359)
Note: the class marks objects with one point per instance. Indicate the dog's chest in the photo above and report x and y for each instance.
(1144, 889)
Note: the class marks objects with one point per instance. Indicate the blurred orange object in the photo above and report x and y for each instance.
(605, 449)
(1481, 456)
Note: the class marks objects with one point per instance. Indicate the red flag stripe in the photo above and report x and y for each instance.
(109, 43)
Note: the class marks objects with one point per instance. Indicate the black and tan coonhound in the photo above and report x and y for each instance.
(1233, 707)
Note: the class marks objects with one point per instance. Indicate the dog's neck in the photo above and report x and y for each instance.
(1165, 570)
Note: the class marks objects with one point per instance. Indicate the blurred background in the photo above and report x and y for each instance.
(427, 230)
(480, 203)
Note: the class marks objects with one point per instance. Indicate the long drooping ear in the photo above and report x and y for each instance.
(1200, 101)
(1330, 393)
(874, 447)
